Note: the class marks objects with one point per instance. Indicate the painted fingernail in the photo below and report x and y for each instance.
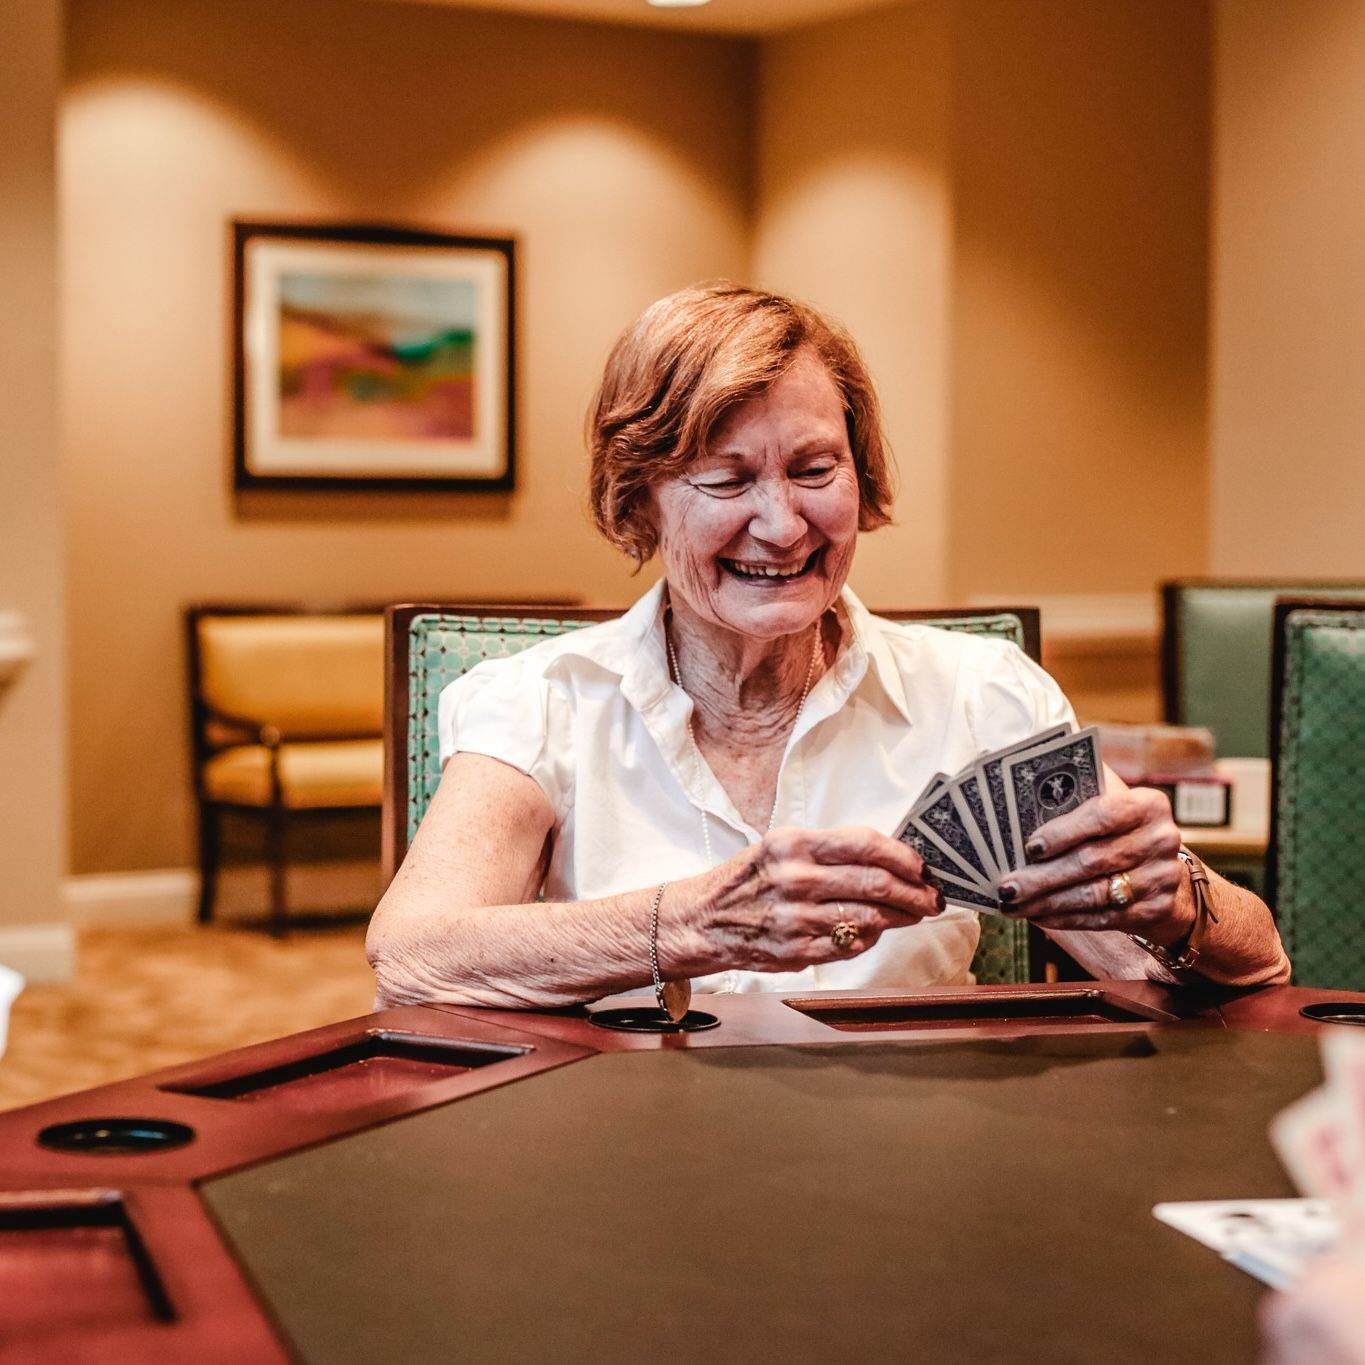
(1034, 849)
(1007, 891)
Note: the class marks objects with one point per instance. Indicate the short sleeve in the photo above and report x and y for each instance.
(506, 709)
(1013, 697)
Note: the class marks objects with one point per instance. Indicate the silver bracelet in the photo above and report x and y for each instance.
(673, 996)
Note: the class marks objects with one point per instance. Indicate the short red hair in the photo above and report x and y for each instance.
(679, 369)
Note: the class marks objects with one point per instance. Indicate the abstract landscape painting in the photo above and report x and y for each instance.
(373, 356)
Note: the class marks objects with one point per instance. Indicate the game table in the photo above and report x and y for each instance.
(954, 1175)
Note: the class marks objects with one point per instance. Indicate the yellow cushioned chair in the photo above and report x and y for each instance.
(286, 714)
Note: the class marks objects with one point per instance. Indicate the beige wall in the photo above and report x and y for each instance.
(1008, 205)
(1005, 202)
(1080, 160)
(619, 158)
(32, 745)
(854, 212)
(1288, 370)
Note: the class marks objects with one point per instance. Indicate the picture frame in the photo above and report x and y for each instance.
(372, 357)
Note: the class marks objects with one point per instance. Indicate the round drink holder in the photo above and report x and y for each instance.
(1336, 1012)
(116, 1136)
(651, 1019)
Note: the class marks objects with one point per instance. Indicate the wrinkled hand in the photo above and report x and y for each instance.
(1072, 858)
(772, 908)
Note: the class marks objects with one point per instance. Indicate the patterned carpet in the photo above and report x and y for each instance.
(151, 997)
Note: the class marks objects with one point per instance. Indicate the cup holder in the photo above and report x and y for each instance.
(651, 1019)
(116, 1136)
(1336, 1012)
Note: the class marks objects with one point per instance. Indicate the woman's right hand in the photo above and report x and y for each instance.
(773, 907)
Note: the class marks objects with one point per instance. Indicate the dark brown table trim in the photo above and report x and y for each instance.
(214, 1314)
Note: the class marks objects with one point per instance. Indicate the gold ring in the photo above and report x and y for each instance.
(844, 934)
(1120, 890)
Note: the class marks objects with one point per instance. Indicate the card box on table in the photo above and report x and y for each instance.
(1205, 800)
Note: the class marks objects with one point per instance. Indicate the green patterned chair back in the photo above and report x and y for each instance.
(430, 645)
(427, 646)
(1216, 644)
(1317, 836)
(1002, 954)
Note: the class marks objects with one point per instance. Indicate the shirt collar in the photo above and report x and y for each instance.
(633, 647)
(868, 637)
(637, 652)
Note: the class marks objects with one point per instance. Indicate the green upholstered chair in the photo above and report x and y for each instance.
(1317, 837)
(429, 645)
(1215, 651)
(426, 647)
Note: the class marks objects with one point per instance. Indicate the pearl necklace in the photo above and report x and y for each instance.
(692, 738)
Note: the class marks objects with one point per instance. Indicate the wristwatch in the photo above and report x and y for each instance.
(1178, 958)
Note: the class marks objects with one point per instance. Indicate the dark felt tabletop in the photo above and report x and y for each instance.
(930, 1201)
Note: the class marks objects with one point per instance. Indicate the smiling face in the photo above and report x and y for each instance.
(757, 534)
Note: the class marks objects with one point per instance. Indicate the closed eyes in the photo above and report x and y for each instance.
(814, 475)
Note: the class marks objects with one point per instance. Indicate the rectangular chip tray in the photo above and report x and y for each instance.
(1051, 1004)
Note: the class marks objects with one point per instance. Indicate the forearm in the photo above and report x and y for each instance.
(529, 956)
(1241, 949)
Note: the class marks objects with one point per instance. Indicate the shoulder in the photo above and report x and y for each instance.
(917, 650)
(575, 649)
(521, 677)
(525, 681)
(987, 679)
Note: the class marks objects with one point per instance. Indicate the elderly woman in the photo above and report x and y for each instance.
(704, 787)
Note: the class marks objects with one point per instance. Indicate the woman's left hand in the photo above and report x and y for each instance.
(1082, 863)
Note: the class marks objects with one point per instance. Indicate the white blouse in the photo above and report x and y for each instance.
(594, 717)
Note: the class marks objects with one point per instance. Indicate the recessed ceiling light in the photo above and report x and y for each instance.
(678, 4)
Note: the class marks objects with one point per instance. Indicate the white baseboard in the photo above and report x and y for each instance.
(171, 895)
(40, 952)
(47, 952)
(167, 896)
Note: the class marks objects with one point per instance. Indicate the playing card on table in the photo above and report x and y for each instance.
(992, 787)
(1272, 1239)
(1047, 781)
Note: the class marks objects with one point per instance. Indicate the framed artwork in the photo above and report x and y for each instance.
(371, 357)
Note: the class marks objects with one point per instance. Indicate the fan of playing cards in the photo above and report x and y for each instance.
(973, 828)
